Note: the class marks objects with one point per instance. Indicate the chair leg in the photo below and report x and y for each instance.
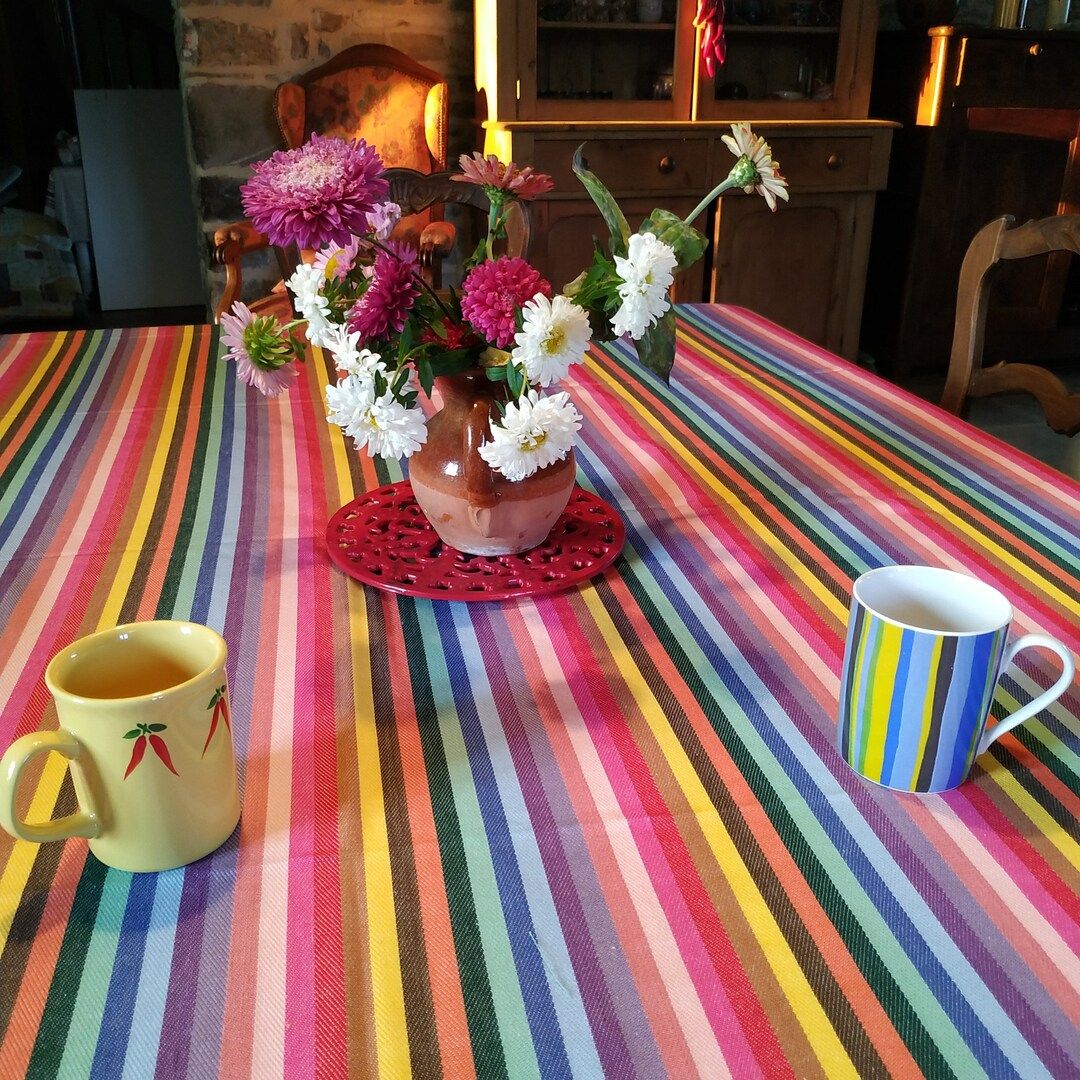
(1062, 409)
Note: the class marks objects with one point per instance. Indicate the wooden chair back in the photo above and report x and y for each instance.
(371, 92)
(415, 192)
(997, 241)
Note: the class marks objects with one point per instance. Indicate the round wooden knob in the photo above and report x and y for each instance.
(667, 164)
(834, 162)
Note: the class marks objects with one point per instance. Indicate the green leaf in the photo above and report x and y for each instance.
(453, 361)
(405, 340)
(656, 349)
(425, 374)
(438, 327)
(156, 727)
(400, 381)
(605, 203)
(380, 384)
(496, 374)
(687, 243)
(515, 380)
(134, 733)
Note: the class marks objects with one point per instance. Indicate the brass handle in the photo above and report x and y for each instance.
(667, 164)
(834, 162)
(1035, 49)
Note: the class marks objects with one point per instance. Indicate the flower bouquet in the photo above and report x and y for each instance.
(494, 468)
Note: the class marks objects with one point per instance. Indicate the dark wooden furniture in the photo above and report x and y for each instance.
(967, 377)
(548, 85)
(1001, 109)
(372, 92)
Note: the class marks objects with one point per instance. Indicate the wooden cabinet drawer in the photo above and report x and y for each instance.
(629, 165)
(825, 164)
(1019, 73)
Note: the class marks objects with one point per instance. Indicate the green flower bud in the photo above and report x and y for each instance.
(265, 345)
(744, 172)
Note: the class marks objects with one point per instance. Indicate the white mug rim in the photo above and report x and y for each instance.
(968, 579)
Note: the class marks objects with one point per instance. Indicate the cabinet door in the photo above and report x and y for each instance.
(792, 59)
(563, 231)
(803, 267)
(603, 59)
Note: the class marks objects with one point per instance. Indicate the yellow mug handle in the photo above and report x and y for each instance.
(84, 823)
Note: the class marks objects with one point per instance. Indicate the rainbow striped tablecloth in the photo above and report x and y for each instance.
(602, 833)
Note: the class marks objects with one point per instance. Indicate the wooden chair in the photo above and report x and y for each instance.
(967, 377)
(372, 92)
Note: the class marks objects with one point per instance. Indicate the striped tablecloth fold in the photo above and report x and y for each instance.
(601, 833)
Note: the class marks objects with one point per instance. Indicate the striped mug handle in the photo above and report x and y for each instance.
(1032, 707)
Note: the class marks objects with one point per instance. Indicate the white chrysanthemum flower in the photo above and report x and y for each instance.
(342, 344)
(311, 305)
(305, 283)
(743, 143)
(647, 272)
(319, 327)
(554, 334)
(384, 425)
(534, 432)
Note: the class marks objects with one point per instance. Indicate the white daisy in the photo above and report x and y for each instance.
(342, 345)
(647, 272)
(534, 432)
(384, 425)
(767, 181)
(554, 334)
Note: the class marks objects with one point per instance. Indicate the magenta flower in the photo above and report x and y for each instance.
(490, 172)
(492, 294)
(260, 352)
(317, 193)
(389, 298)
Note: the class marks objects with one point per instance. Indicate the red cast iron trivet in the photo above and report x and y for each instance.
(383, 539)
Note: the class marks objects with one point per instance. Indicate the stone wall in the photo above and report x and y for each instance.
(233, 53)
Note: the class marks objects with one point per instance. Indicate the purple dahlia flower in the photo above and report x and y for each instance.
(319, 193)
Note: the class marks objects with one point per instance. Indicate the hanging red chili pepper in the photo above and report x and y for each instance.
(221, 709)
(137, 751)
(162, 751)
(142, 734)
(710, 19)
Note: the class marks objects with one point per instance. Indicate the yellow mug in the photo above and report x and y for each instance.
(145, 726)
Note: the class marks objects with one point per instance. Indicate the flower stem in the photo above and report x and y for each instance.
(727, 183)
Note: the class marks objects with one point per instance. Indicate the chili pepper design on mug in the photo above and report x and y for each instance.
(143, 734)
(220, 705)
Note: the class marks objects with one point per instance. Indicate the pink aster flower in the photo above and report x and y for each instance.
(335, 260)
(390, 296)
(493, 292)
(261, 355)
(319, 192)
(490, 172)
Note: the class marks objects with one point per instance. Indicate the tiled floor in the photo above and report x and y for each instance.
(1017, 419)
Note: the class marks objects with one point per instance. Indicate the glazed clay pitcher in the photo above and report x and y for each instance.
(472, 508)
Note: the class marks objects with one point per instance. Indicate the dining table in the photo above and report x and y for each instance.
(600, 833)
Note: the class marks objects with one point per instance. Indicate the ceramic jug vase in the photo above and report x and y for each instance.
(471, 507)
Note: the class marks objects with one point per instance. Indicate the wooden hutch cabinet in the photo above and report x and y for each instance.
(553, 74)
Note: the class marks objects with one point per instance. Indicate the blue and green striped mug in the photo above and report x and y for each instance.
(925, 649)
